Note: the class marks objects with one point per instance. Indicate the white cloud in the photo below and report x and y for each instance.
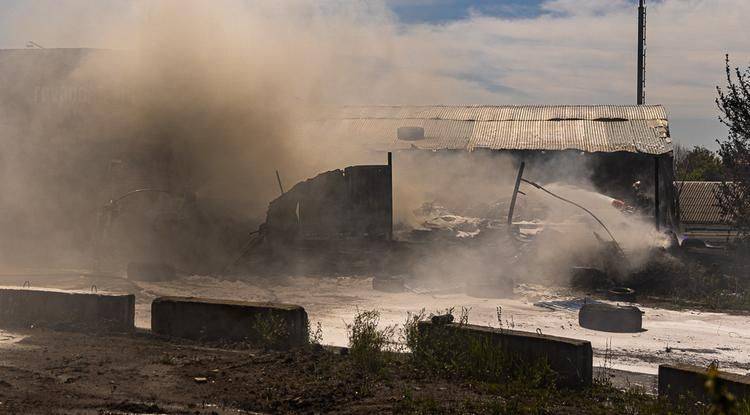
(585, 53)
(578, 51)
(584, 7)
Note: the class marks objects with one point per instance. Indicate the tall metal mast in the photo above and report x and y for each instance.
(641, 52)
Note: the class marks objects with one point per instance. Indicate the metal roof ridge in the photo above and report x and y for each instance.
(507, 106)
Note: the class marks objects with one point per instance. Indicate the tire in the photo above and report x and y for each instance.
(621, 294)
(610, 318)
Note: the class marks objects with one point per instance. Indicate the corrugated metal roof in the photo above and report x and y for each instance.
(698, 203)
(599, 128)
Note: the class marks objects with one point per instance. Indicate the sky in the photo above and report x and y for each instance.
(584, 52)
(517, 51)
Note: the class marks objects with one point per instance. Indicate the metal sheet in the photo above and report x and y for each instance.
(698, 203)
(509, 112)
(599, 128)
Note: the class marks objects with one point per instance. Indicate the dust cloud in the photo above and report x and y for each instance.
(453, 197)
(207, 100)
(195, 97)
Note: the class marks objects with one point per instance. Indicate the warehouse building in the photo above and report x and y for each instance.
(627, 149)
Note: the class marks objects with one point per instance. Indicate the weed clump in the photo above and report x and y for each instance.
(682, 280)
(314, 337)
(271, 332)
(368, 342)
(448, 351)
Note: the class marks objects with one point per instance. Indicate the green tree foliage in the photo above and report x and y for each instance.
(700, 164)
(734, 104)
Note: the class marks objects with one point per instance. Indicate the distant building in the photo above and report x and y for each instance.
(699, 211)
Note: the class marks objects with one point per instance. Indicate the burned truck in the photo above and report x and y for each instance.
(349, 204)
(334, 221)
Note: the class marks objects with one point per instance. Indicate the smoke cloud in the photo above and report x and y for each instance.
(188, 96)
(211, 98)
(462, 200)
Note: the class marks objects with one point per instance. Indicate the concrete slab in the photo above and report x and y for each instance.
(24, 307)
(571, 359)
(268, 324)
(689, 382)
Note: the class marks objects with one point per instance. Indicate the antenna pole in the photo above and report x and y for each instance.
(641, 97)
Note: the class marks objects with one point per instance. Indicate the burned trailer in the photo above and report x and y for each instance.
(340, 220)
(353, 203)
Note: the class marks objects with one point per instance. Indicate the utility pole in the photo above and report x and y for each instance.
(641, 97)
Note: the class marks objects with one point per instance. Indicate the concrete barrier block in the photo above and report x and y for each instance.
(570, 359)
(269, 324)
(689, 382)
(23, 307)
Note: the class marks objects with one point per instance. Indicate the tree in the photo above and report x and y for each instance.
(734, 105)
(699, 163)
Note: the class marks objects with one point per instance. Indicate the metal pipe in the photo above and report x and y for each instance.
(278, 179)
(656, 192)
(133, 192)
(390, 200)
(515, 193)
(617, 245)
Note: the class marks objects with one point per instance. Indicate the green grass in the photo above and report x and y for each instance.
(685, 282)
(368, 341)
(501, 385)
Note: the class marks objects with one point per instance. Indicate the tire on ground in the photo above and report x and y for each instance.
(621, 294)
(611, 318)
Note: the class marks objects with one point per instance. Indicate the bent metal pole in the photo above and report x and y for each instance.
(515, 193)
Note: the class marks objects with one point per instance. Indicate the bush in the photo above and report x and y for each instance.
(367, 341)
(271, 331)
(314, 337)
(453, 353)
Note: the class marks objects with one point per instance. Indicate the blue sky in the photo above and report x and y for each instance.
(688, 96)
(442, 11)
